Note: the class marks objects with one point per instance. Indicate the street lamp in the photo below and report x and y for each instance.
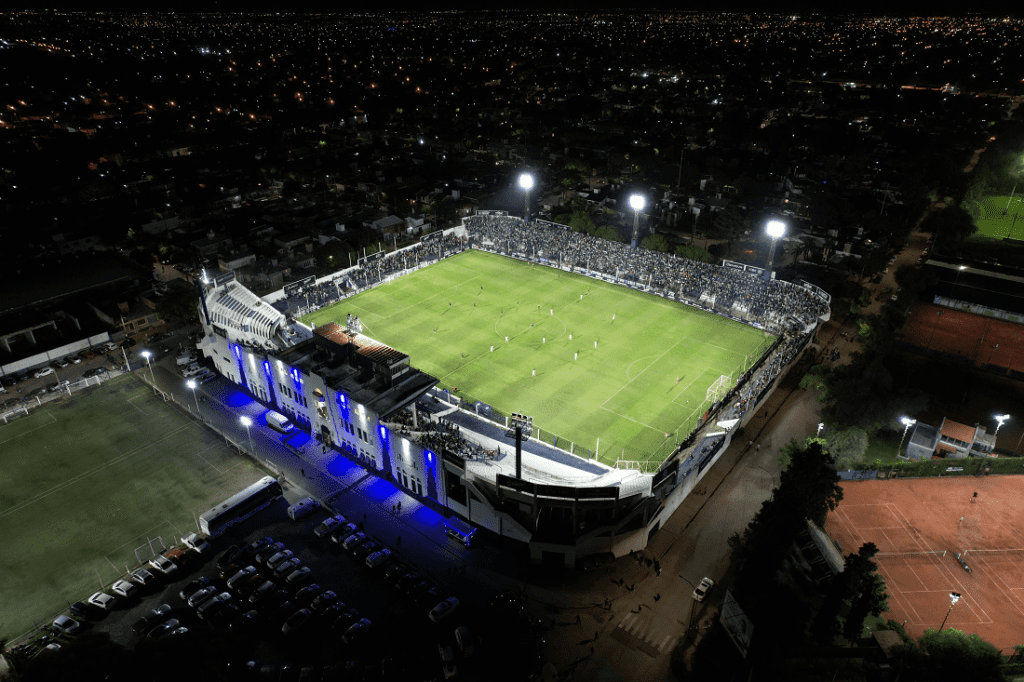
(775, 229)
(147, 354)
(636, 202)
(246, 422)
(956, 280)
(907, 423)
(821, 425)
(191, 384)
(526, 182)
(954, 597)
(1000, 420)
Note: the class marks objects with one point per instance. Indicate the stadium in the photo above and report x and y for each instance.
(628, 370)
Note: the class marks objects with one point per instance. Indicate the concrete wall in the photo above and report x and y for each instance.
(46, 357)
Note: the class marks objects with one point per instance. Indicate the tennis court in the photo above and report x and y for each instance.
(978, 338)
(919, 526)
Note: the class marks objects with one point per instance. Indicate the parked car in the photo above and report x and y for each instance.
(354, 540)
(325, 599)
(202, 595)
(269, 551)
(102, 601)
(82, 610)
(702, 590)
(197, 543)
(163, 565)
(246, 622)
(66, 625)
(329, 525)
(167, 628)
(356, 630)
(365, 549)
(464, 639)
(143, 578)
(279, 558)
(394, 571)
(94, 372)
(231, 555)
(444, 609)
(194, 586)
(341, 534)
(448, 661)
(296, 621)
(285, 567)
(377, 558)
(237, 578)
(307, 594)
(42, 372)
(207, 608)
(73, 359)
(151, 618)
(262, 592)
(299, 576)
(343, 621)
(124, 589)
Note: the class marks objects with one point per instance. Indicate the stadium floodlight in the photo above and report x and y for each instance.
(246, 422)
(526, 182)
(636, 202)
(954, 597)
(774, 229)
(192, 385)
(147, 354)
(1000, 420)
(907, 423)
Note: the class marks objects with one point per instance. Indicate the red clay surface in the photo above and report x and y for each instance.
(967, 335)
(936, 515)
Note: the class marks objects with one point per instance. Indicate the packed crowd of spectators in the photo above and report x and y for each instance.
(441, 435)
(325, 292)
(740, 293)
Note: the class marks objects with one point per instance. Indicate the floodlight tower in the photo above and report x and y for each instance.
(775, 229)
(526, 182)
(954, 597)
(636, 202)
(1000, 420)
(148, 354)
(907, 423)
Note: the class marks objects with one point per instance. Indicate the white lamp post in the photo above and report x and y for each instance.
(907, 423)
(775, 229)
(526, 182)
(954, 597)
(1000, 420)
(147, 354)
(191, 384)
(246, 422)
(636, 202)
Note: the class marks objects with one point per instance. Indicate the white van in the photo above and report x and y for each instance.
(302, 508)
(279, 422)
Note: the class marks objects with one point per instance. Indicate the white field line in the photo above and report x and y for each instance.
(25, 433)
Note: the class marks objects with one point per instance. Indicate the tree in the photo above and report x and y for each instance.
(179, 303)
(810, 484)
(580, 221)
(847, 445)
(655, 242)
(953, 656)
(950, 225)
(694, 253)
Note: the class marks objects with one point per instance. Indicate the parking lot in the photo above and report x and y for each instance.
(400, 642)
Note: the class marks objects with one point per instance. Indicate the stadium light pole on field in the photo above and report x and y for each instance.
(148, 354)
(954, 597)
(775, 229)
(192, 385)
(526, 182)
(246, 422)
(637, 203)
(907, 423)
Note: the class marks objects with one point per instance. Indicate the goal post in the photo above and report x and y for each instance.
(719, 388)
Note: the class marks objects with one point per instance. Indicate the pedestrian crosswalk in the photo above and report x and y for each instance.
(640, 631)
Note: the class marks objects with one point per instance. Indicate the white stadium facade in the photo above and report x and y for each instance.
(347, 391)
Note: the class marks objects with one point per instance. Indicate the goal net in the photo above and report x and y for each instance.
(719, 388)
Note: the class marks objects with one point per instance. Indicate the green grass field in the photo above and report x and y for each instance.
(88, 480)
(647, 377)
(1002, 216)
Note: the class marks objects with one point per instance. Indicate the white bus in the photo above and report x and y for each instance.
(239, 507)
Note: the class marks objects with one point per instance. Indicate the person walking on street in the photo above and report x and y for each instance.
(578, 621)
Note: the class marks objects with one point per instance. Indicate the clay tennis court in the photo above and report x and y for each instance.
(976, 337)
(914, 521)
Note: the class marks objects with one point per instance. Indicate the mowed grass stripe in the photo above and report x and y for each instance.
(87, 480)
(448, 315)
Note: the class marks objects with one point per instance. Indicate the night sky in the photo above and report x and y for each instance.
(998, 8)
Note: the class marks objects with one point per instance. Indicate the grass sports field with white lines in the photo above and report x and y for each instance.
(88, 480)
(1002, 216)
(647, 376)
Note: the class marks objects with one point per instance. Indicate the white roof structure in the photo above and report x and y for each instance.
(248, 319)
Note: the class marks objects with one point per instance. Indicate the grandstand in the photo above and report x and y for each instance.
(369, 403)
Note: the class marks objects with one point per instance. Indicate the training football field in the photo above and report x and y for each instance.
(645, 380)
(1002, 216)
(88, 480)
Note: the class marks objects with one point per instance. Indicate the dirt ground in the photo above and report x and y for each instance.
(919, 525)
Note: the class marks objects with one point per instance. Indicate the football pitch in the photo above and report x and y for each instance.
(586, 359)
(89, 480)
(1002, 216)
